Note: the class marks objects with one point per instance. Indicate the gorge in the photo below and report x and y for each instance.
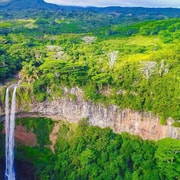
(144, 124)
(32, 140)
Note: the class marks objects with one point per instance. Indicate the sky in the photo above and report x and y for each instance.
(123, 3)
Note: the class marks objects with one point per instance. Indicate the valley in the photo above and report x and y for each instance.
(98, 93)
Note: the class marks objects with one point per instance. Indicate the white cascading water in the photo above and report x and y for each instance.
(9, 127)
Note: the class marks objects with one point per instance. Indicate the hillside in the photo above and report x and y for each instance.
(115, 68)
(140, 76)
(14, 5)
(32, 8)
(85, 152)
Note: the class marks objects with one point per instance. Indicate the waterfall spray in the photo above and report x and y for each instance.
(9, 127)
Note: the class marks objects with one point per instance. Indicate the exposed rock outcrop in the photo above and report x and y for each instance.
(24, 136)
(144, 124)
(54, 135)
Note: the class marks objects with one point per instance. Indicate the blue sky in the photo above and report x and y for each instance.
(129, 3)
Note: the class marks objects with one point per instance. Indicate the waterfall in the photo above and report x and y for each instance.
(9, 127)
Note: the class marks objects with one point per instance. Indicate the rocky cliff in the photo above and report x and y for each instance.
(144, 124)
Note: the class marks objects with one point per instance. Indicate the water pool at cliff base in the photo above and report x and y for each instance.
(24, 170)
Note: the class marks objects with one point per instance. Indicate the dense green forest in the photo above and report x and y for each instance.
(86, 152)
(132, 65)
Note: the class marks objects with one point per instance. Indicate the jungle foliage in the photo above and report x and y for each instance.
(130, 65)
(86, 152)
(122, 51)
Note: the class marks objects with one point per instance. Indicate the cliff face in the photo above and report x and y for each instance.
(143, 124)
(24, 136)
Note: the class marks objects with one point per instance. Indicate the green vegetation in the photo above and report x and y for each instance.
(168, 152)
(127, 57)
(131, 63)
(86, 152)
(42, 127)
(40, 155)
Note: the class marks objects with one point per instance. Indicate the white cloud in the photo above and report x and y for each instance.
(129, 3)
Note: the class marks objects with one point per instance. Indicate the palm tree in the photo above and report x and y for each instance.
(28, 73)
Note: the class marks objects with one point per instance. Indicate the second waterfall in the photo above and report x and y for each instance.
(9, 127)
